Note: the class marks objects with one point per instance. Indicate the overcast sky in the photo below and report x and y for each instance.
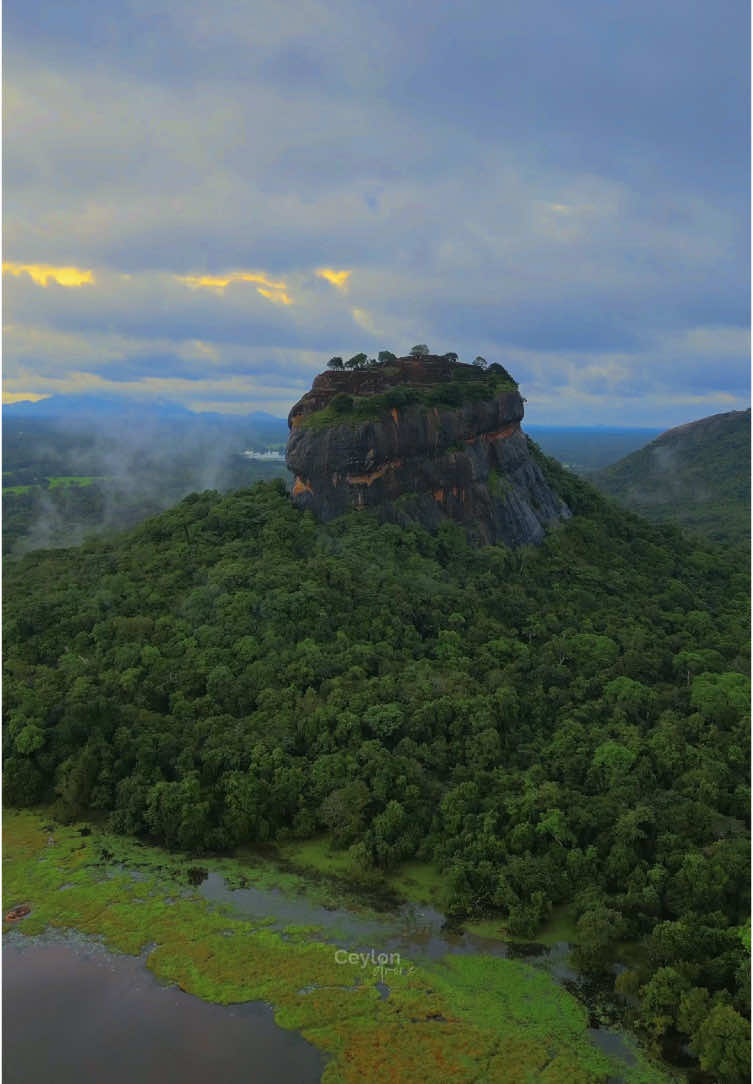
(205, 201)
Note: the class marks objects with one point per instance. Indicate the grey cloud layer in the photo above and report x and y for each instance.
(558, 185)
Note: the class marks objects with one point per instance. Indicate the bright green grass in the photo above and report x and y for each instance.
(559, 927)
(491, 929)
(417, 882)
(316, 854)
(18, 489)
(464, 1019)
(420, 882)
(72, 480)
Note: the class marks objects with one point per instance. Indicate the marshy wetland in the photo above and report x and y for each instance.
(279, 976)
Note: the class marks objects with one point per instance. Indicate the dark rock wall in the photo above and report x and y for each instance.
(469, 463)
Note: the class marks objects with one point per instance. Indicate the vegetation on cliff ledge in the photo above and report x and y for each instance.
(467, 385)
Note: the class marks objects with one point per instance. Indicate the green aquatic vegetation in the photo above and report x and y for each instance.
(291, 869)
(462, 1019)
(300, 932)
(539, 1018)
(316, 854)
(560, 926)
(493, 929)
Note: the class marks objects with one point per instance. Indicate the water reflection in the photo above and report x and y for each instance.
(74, 1013)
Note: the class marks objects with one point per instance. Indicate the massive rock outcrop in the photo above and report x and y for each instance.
(422, 439)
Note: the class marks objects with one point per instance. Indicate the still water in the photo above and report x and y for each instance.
(75, 1014)
(417, 932)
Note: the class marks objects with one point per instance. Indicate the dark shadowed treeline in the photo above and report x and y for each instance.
(565, 724)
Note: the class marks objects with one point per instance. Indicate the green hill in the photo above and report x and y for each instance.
(552, 726)
(697, 476)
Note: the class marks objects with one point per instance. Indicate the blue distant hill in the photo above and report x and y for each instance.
(91, 406)
(58, 406)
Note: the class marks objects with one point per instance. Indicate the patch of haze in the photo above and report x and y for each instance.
(142, 465)
(666, 482)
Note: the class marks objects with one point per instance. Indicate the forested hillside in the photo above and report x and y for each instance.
(697, 476)
(561, 724)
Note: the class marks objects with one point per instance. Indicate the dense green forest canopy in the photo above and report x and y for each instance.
(562, 724)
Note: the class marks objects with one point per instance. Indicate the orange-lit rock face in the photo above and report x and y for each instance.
(419, 463)
(441, 495)
(500, 434)
(371, 477)
(299, 486)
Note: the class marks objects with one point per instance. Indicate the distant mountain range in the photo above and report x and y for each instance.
(696, 475)
(95, 408)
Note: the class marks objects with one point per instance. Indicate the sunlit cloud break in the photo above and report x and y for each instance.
(274, 291)
(339, 279)
(275, 295)
(23, 396)
(41, 273)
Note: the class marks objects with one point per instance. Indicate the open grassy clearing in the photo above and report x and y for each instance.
(73, 480)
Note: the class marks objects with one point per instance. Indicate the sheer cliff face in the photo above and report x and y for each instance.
(420, 462)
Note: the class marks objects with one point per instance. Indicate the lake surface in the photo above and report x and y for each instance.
(76, 1014)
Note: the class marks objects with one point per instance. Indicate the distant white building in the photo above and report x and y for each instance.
(267, 456)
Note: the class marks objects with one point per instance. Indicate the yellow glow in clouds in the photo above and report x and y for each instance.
(23, 396)
(41, 273)
(338, 279)
(274, 291)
